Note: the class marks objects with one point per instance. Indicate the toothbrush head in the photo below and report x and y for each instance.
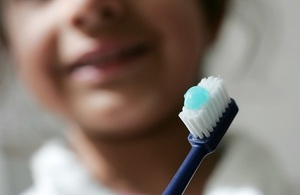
(207, 107)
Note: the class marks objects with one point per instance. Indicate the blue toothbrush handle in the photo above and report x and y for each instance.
(186, 171)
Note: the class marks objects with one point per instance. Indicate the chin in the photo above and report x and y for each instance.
(128, 125)
(116, 132)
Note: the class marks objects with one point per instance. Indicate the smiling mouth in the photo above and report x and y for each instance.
(103, 61)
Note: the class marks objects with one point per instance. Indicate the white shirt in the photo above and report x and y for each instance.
(245, 169)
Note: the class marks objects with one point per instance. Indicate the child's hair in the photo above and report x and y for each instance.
(2, 39)
(214, 9)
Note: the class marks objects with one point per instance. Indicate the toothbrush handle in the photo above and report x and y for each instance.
(186, 171)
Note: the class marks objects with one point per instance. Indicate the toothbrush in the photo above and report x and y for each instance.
(207, 113)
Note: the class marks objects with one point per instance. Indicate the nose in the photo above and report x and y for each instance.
(92, 16)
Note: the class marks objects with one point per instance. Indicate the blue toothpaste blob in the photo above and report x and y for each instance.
(195, 97)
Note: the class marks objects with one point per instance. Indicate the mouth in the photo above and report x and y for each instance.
(107, 63)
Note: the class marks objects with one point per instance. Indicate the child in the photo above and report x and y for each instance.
(116, 72)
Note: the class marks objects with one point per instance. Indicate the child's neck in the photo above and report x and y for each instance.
(141, 166)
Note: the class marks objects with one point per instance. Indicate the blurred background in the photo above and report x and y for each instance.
(257, 55)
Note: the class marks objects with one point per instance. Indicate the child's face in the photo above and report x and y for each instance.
(108, 66)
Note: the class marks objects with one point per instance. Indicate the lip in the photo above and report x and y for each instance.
(107, 61)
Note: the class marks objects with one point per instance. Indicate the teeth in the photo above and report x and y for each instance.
(101, 59)
(121, 54)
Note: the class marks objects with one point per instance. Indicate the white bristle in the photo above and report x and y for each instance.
(201, 122)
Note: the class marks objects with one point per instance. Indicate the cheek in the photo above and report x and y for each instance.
(183, 33)
(33, 43)
(187, 37)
